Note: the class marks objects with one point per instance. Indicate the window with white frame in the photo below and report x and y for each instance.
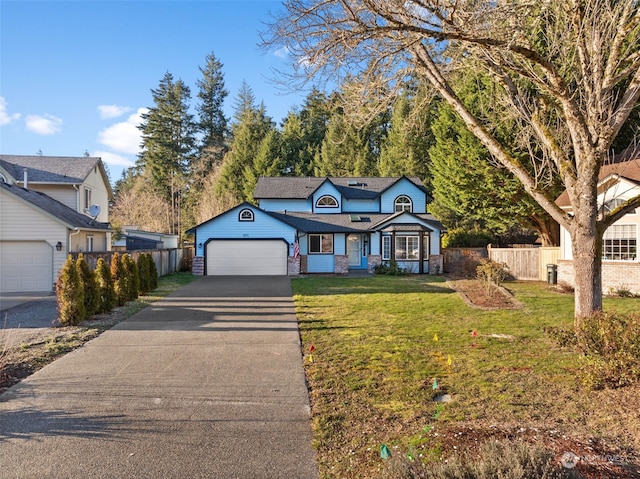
(89, 242)
(327, 201)
(403, 203)
(620, 243)
(320, 243)
(407, 248)
(246, 215)
(386, 248)
(87, 197)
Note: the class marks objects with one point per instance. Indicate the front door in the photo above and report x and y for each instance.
(354, 250)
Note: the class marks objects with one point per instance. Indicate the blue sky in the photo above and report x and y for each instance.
(74, 75)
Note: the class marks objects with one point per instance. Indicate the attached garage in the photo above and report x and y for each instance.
(246, 257)
(27, 266)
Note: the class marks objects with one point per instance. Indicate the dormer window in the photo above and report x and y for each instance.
(327, 201)
(403, 203)
(246, 215)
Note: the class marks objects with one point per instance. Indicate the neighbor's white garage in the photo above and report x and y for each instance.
(26, 266)
(246, 257)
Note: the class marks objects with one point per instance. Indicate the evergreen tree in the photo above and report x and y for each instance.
(118, 275)
(105, 287)
(143, 274)
(168, 142)
(131, 280)
(303, 133)
(212, 122)
(268, 162)
(405, 150)
(88, 280)
(344, 150)
(153, 273)
(70, 294)
(470, 190)
(251, 127)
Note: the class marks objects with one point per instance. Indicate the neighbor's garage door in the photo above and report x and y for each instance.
(25, 266)
(247, 257)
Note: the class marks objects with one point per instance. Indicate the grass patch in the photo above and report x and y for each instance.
(375, 362)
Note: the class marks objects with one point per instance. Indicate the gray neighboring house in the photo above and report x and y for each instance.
(49, 207)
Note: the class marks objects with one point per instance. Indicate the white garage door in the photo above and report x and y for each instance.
(25, 266)
(247, 257)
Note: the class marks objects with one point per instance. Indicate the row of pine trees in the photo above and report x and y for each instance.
(83, 292)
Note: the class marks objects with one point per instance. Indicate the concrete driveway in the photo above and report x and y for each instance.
(206, 383)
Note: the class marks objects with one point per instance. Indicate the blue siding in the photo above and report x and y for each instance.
(404, 187)
(228, 225)
(361, 206)
(289, 205)
(327, 189)
(320, 263)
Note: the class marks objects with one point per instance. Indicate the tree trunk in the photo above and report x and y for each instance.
(587, 266)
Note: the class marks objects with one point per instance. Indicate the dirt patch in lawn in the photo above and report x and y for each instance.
(477, 295)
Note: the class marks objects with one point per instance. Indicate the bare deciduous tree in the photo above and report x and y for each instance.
(141, 207)
(568, 72)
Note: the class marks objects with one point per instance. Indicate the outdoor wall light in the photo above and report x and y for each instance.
(59, 246)
(199, 245)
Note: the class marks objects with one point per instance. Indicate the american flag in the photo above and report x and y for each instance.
(296, 249)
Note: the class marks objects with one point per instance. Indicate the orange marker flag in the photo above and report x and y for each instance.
(312, 348)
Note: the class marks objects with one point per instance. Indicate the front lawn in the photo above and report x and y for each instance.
(379, 349)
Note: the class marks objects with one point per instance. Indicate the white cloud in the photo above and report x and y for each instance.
(112, 111)
(113, 159)
(5, 118)
(124, 137)
(282, 52)
(44, 124)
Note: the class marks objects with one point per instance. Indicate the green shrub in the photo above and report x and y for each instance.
(391, 268)
(88, 280)
(153, 273)
(118, 275)
(131, 280)
(106, 290)
(461, 238)
(143, 274)
(495, 459)
(610, 343)
(70, 294)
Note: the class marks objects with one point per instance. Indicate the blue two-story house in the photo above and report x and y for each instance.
(322, 225)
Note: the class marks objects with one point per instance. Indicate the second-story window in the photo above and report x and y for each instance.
(327, 201)
(403, 203)
(87, 197)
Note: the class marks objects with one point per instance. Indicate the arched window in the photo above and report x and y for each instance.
(403, 203)
(327, 201)
(246, 215)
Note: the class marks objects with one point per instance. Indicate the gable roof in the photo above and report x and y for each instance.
(55, 209)
(352, 188)
(622, 167)
(53, 169)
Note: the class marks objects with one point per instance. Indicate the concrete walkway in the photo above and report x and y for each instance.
(206, 383)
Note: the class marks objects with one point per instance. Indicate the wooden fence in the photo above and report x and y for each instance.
(526, 263)
(167, 260)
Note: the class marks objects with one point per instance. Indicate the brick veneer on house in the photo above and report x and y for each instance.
(616, 276)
